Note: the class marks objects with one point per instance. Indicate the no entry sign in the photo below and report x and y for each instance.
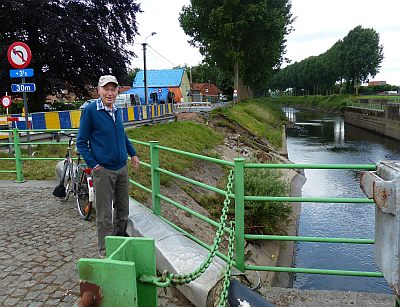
(6, 101)
(19, 55)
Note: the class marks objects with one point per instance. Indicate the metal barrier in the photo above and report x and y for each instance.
(238, 166)
(129, 259)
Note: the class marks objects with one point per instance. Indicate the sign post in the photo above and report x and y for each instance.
(19, 55)
(6, 103)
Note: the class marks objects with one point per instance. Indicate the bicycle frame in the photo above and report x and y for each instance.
(74, 174)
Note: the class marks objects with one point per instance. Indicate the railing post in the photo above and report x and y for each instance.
(155, 177)
(17, 152)
(239, 212)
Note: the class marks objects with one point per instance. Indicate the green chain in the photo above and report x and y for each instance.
(168, 278)
(224, 293)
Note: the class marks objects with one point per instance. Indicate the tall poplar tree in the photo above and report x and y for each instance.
(243, 37)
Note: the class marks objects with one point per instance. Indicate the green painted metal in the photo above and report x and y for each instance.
(145, 164)
(311, 199)
(309, 239)
(140, 186)
(139, 142)
(195, 182)
(239, 212)
(313, 271)
(192, 212)
(369, 167)
(238, 195)
(44, 143)
(118, 275)
(193, 155)
(44, 159)
(17, 154)
(155, 177)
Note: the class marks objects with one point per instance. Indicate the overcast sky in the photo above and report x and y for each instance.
(318, 25)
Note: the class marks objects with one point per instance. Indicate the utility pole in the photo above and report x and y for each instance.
(146, 98)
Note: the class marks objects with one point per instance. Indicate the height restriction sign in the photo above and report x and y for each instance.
(19, 55)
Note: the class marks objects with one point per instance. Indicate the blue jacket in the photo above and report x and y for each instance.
(101, 140)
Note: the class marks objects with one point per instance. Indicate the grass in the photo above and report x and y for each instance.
(259, 117)
(325, 103)
(185, 136)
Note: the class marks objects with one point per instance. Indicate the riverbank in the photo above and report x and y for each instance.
(385, 122)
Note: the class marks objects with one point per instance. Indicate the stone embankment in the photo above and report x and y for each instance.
(385, 122)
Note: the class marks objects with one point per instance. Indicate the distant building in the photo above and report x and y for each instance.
(160, 84)
(376, 83)
(205, 92)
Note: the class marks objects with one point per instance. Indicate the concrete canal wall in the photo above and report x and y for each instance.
(385, 122)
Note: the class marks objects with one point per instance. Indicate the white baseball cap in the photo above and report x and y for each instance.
(107, 79)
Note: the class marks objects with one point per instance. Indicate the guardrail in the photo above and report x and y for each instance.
(238, 167)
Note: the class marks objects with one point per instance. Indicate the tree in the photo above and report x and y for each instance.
(78, 40)
(207, 73)
(246, 36)
(352, 59)
(131, 75)
(362, 55)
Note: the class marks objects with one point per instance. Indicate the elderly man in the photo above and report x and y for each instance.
(105, 147)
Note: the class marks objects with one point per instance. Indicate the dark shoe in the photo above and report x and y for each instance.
(59, 191)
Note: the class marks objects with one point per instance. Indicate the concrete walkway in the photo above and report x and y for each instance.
(42, 239)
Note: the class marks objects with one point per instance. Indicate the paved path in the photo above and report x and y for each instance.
(41, 240)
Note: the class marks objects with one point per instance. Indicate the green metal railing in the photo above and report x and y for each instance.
(238, 195)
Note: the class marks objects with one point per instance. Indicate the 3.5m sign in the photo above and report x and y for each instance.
(23, 88)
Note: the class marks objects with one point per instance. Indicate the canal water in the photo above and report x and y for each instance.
(326, 139)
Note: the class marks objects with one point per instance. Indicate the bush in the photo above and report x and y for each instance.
(262, 217)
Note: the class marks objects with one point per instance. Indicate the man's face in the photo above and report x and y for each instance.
(108, 93)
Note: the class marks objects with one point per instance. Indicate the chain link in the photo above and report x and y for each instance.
(167, 278)
(224, 293)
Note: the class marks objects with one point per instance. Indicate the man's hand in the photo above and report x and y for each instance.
(135, 161)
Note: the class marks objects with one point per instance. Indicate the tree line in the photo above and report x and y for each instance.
(349, 62)
(239, 40)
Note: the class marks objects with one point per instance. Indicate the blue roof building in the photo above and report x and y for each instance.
(162, 82)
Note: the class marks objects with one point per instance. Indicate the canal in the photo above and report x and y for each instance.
(325, 138)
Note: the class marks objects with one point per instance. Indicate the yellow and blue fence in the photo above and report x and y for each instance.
(70, 119)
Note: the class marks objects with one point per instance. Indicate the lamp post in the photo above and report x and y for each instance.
(146, 98)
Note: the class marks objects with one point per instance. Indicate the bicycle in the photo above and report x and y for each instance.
(76, 179)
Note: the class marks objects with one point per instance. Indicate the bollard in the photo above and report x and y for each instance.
(383, 186)
(114, 281)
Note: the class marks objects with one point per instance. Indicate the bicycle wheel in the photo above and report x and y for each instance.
(83, 203)
(66, 179)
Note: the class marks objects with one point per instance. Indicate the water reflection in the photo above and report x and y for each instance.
(326, 139)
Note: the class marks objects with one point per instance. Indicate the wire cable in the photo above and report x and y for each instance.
(161, 55)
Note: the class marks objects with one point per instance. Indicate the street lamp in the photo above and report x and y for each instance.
(146, 98)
